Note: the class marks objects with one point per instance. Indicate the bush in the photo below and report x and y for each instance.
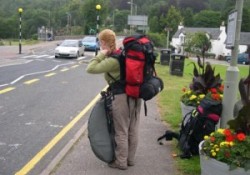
(34, 37)
(76, 30)
(1, 42)
(158, 39)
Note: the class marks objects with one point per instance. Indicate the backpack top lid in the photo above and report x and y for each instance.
(142, 39)
(211, 106)
(212, 109)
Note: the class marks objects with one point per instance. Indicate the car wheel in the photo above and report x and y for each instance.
(56, 56)
(78, 55)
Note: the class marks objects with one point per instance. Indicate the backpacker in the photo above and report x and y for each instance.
(137, 68)
(195, 125)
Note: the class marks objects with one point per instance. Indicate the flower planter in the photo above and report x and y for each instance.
(210, 166)
(186, 109)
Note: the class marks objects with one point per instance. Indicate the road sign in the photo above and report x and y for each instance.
(138, 20)
(231, 28)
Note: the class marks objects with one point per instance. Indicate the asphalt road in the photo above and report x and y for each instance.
(40, 97)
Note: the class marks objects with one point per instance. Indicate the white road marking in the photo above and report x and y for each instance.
(16, 63)
(1, 144)
(30, 123)
(28, 56)
(56, 126)
(28, 61)
(2, 158)
(20, 115)
(41, 72)
(13, 147)
(53, 56)
(40, 56)
(2, 85)
(81, 58)
(39, 59)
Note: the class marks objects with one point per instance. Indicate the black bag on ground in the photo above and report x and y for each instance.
(195, 125)
(101, 130)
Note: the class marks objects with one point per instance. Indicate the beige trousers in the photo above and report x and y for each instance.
(126, 117)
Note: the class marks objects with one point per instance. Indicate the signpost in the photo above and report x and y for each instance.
(232, 74)
(231, 28)
(138, 20)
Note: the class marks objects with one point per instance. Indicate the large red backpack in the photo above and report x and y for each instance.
(137, 68)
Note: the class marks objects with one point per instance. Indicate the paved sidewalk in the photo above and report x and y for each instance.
(151, 158)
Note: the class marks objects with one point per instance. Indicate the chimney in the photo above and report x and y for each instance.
(180, 26)
(222, 27)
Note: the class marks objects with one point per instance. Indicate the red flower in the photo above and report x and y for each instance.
(241, 136)
(227, 154)
(230, 138)
(215, 96)
(212, 139)
(221, 88)
(184, 89)
(213, 90)
(227, 132)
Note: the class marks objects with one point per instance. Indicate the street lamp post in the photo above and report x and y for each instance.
(98, 8)
(167, 29)
(131, 11)
(114, 18)
(68, 22)
(232, 74)
(20, 10)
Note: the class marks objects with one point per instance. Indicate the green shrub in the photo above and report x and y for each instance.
(158, 39)
(1, 42)
(34, 37)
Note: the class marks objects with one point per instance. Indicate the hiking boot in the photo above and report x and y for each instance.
(131, 163)
(115, 165)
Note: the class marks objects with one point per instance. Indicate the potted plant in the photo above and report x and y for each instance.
(204, 83)
(227, 150)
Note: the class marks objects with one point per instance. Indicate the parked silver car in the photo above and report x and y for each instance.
(70, 49)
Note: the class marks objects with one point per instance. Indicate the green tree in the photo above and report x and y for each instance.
(245, 26)
(194, 4)
(154, 24)
(121, 20)
(157, 15)
(207, 18)
(173, 19)
(32, 19)
(52, 13)
(198, 43)
(6, 28)
(90, 14)
(188, 17)
(217, 5)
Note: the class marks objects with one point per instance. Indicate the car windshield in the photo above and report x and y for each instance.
(69, 43)
(89, 39)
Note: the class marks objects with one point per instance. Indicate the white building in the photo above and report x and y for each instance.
(217, 37)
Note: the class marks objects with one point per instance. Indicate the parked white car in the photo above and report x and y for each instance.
(70, 49)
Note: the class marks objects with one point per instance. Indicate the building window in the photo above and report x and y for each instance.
(182, 39)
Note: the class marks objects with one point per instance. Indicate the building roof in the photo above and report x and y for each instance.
(213, 32)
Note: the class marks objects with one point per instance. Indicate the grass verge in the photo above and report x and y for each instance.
(10, 42)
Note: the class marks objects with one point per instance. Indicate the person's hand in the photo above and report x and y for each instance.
(105, 51)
